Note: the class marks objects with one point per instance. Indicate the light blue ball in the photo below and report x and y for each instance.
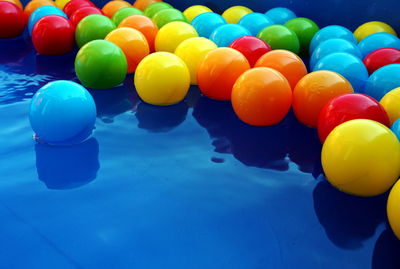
(347, 65)
(224, 35)
(383, 80)
(329, 32)
(40, 13)
(396, 128)
(280, 15)
(331, 46)
(378, 41)
(255, 22)
(62, 112)
(206, 23)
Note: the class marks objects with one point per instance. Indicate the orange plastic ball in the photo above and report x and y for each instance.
(113, 6)
(16, 2)
(261, 96)
(218, 72)
(315, 90)
(142, 4)
(286, 62)
(34, 4)
(132, 42)
(144, 25)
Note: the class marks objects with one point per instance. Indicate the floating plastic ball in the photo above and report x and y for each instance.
(153, 8)
(81, 13)
(162, 78)
(12, 20)
(314, 91)
(74, 5)
(16, 2)
(53, 35)
(378, 41)
(280, 15)
(172, 34)
(165, 16)
(206, 23)
(380, 58)
(287, 63)
(347, 65)
(62, 112)
(361, 157)
(235, 13)
(349, 107)
(261, 97)
(192, 51)
(280, 37)
(123, 13)
(305, 30)
(329, 32)
(251, 47)
(373, 27)
(396, 129)
(144, 25)
(393, 209)
(143, 4)
(61, 3)
(383, 81)
(112, 7)
(132, 42)
(391, 103)
(193, 11)
(41, 12)
(331, 46)
(219, 70)
(255, 22)
(34, 4)
(93, 27)
(225, 34)
(100, 64)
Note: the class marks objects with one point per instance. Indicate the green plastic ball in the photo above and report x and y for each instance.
(305, 30)
(280, 37)
(152, 9)
(100, 64)
(93, 27)
(165, 16)
(121, 14)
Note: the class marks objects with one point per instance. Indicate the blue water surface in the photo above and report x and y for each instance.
(185, 186)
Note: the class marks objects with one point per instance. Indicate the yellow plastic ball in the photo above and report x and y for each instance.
(361, 157)
(393, 209)
(193, 11)
(391, 103)
(61, 3)
(372, 27)
(192, 51)
(234, 14)
(172, 34)
(162, 78)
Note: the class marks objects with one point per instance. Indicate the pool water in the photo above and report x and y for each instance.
(185, 186)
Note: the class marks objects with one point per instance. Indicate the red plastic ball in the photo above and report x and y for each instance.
(74, 5)
(12, 20)
(53, 35)
(81, 13)
(251, 47)
(349, 107)
(380, 58)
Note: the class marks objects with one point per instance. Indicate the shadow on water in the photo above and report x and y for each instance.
(67, 167)
(348, 220)
(59, 67)
(386, 251)
(14, 51)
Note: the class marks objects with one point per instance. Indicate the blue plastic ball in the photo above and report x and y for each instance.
(383, 80)
(206, 23)
(396, 128)
(331, 46)
(224, 35)
(280, 15)
(329, 32)
(378, 41)
(40, 13)
(62, 112)
(255, 22)
(347, 65)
